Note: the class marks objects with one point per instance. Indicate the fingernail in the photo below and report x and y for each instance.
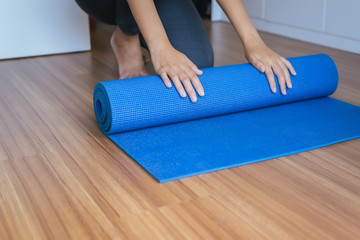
(198, 71)
(193, 98)
(168, 85)
(182, 93)
(274, 90)
(201, 93)
(284, 92)
(290, 85)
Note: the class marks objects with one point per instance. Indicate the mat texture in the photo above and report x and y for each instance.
(238, 121)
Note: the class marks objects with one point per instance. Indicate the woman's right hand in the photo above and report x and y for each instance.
(173, 66)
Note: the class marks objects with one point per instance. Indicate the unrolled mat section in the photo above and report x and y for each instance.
(238, 121)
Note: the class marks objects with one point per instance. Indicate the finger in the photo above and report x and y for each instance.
(281, 78)
(287, 75)
(190, 90)
(270, 77)
(188, 87)
(288, 65)
(165, 79)
(257, 64)
(196, 83)
(195, 68)
(176, 81)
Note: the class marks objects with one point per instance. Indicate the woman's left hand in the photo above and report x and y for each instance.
(267, 61)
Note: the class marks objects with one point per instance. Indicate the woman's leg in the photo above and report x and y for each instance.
(186, 30)
(103, 11)
(128, 54)
(125, 39)
(181, 21)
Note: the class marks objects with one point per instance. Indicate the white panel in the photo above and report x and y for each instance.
(300, 13)
(217, 14)
(295, 17)
(343, 18)
(254, 7)
(321, 38)
(39, 27)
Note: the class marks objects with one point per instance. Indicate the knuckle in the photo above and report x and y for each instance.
(281, 78)
(196, 83)
(286, 73)
(172, 73)
(184, 78)
(186, 81)
(177, 85)
(270, 62)
(272, 82)
(279, 72)
(164, 67)
(270, 76)
(197, 86)
(191, 91)
(194, 77)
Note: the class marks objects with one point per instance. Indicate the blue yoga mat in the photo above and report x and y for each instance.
(238, 121)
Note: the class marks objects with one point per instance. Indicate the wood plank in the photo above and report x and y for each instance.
(61, 178)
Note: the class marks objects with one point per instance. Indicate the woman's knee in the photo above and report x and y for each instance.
(202, 56)
(207, 59)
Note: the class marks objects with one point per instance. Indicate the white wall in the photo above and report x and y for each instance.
(333, 23)
(39, 27)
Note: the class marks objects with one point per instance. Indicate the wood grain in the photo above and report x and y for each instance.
(61, 178)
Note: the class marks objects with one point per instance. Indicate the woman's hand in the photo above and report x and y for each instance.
(256, 52)
(267, 61)
(172, 64)
(168, 62)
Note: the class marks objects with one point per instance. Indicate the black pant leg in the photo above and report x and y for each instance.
(124, 18)
(115, 12)
(186, 30)
(180, 18)
(101, 10)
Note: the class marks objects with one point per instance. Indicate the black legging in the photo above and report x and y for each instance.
(180, 18)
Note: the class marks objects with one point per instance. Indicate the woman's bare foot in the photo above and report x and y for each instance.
(128, 54)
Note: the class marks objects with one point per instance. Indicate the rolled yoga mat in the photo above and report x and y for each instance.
(238, 121)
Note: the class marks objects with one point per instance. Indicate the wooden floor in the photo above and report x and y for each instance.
(61, 178)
